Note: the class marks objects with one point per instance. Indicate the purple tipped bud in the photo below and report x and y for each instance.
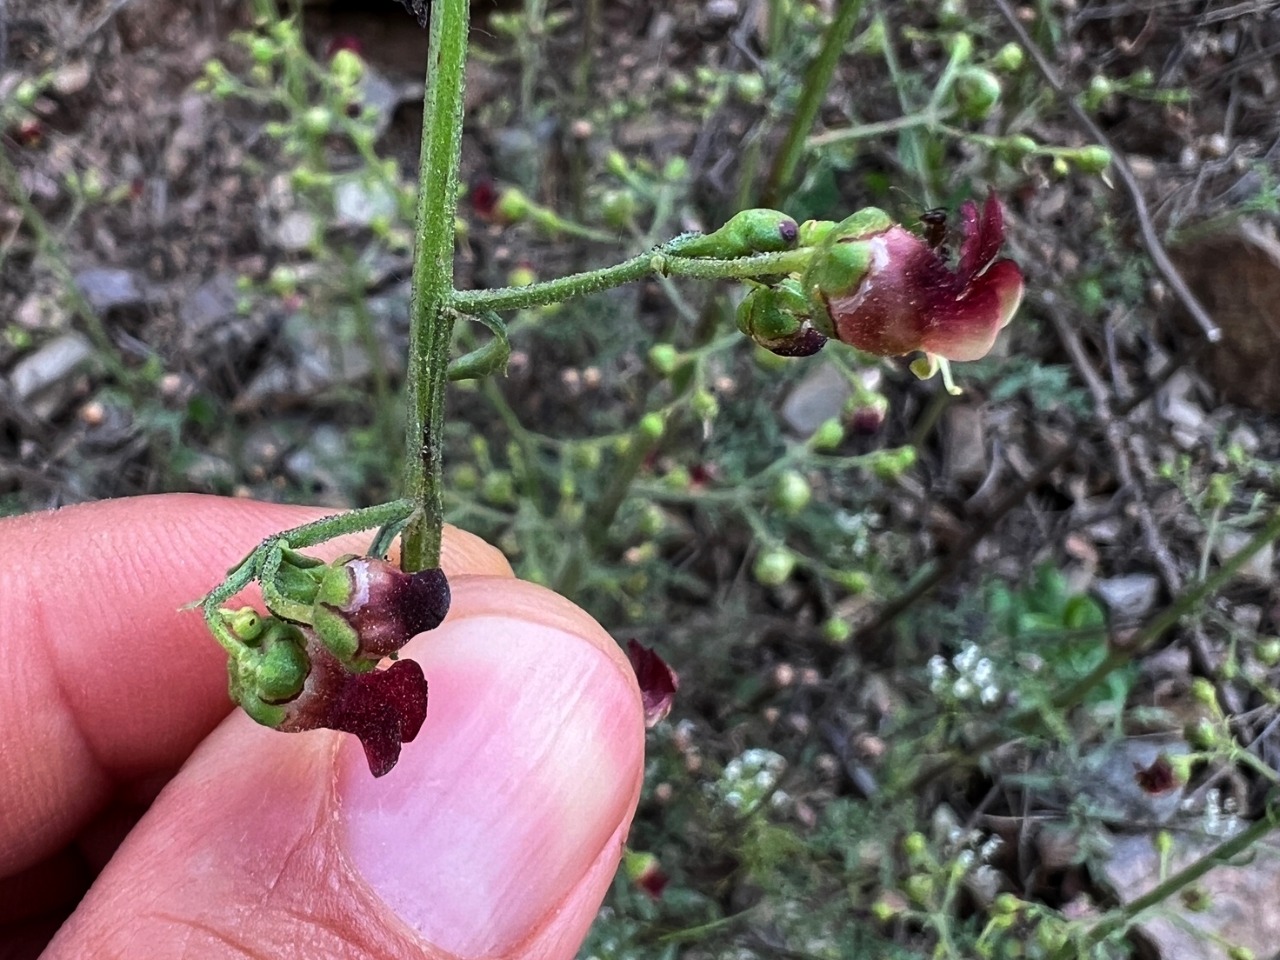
(367, 609)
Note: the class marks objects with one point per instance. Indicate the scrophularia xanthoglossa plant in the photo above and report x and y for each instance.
(313, 661)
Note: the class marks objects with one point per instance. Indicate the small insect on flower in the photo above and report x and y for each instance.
(935, 226)
(420, 9)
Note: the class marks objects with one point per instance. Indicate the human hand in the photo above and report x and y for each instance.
(495, 836)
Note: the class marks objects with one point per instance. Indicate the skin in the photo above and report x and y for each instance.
(496, 836)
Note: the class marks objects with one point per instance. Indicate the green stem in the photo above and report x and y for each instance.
(1218, 856)
(816, 81)
(430, 324)
(663, 262)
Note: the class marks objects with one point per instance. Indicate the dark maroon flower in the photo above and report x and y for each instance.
(344, 41)
(645, 872)
(903, 296)
(367, 609)
(658, 682)
(1157, 778)
(484, 198)
(384, 708)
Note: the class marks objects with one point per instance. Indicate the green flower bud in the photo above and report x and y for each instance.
(1203, 734)
(1018, 146)
(652, 521)
(976, 91)
(1005, 905)
(586, 456)
(1092, 159)
(27, 92)
(1009, 58)
(664, 358)
(768, 316)
(617, 164)
(891, 464)
(1203, 692)
(791, 492)
(914, 845)
(522, 276)
(618, 207)
(828, 436)
(513, 206)
(346, 67)
(675, 169)
(919, 887)
(855, 581)
(774, 566)
(464, 478)
(678, 478)
(1268, 651)
(317, 121)
(1060, 167)
(837, 631)
(283, 280)
(498, 488)
(704, 405)
(262, 50)
(1219, 494)
(747, 232)
(651, 427)
(749, 87)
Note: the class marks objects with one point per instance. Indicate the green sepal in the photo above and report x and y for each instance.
(329, 623)
(835, 271)
(763, 315)
(289, 581)
(750, 231)
(269, 673)
(281, 671)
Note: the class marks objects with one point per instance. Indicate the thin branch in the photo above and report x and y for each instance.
(1150, 239)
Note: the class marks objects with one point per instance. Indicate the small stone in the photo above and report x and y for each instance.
(210, 304)
(36, 375)
(358, 203)
(1129, 597)
(108, 288)
(295, 231)
(965, 444)
(39, 312)
(71, 78)
(1257, 569)
(818, 397)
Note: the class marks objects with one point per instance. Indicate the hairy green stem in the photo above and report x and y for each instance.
(664, 261)
(1218, 856)
(816, 81)
(430, 324)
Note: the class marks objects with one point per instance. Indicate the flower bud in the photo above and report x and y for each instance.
(704, 404)
(367, 609)
(828, 436)
(513, 206)
(1008, 58)
(977, 91)
(644, 870)
(346, 67)
(747, 232)
(658, 682)
(317, 121)
(618, 207)
(664, 357)
(765, 315)
(1092, 159)
(791, 492)
(774, 566)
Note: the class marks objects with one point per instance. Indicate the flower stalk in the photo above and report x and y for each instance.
(430, 321)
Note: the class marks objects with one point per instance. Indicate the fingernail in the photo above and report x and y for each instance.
(524, 769)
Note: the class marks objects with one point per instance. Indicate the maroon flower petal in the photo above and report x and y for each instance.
(965, 327)
(1157, 778)
(387, 607)
(910, 299)
(384, 708)
(982, 236)
(658, 682)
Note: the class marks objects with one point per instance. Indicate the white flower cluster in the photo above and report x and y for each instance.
(749, 778)
(968, 676)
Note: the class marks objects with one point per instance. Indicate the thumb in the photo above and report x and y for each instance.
(495, 836)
